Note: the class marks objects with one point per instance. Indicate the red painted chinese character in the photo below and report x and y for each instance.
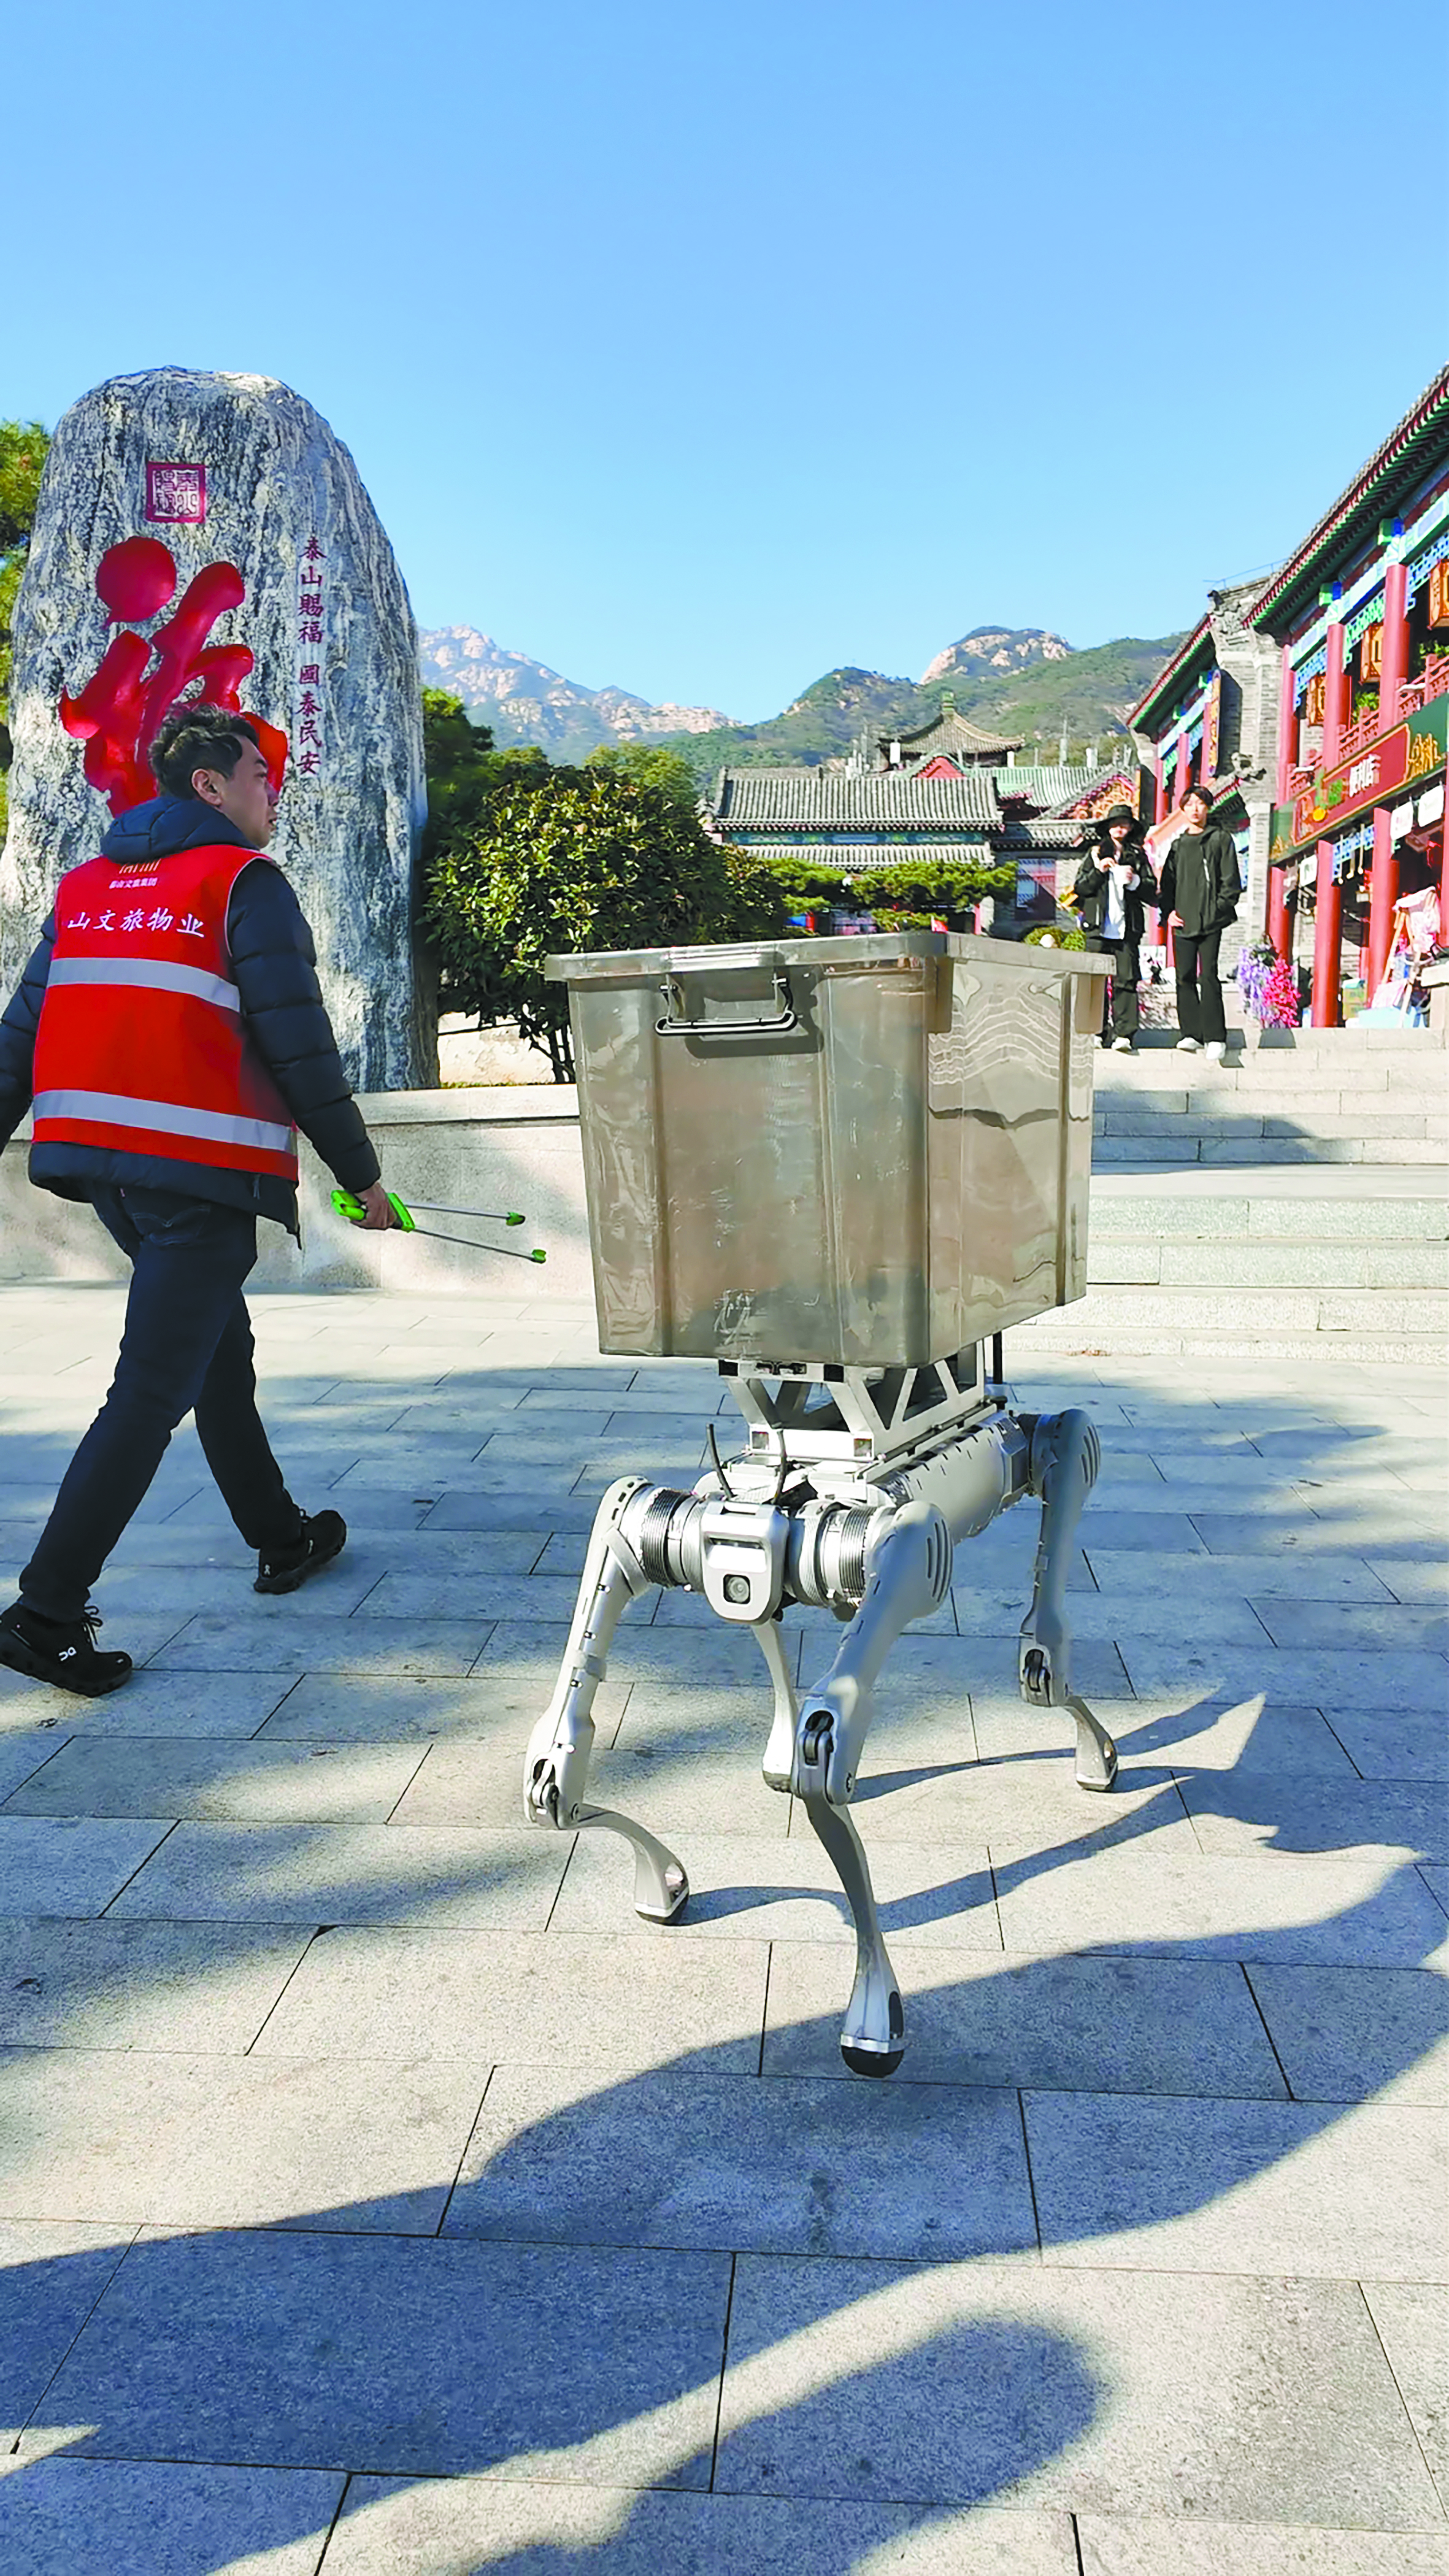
(310, 630)
(310, 604)
(311, 674)
(313, 550)
(307, 764)
(117, 713)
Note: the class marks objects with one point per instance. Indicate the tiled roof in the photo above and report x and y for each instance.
(1044, 786)
(816, 800)
(1415, 445)
(1046, 832)
(951, 731)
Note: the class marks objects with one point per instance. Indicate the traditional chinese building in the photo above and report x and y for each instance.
(1314, 707)
(947, 746)
(877, 812)
(1359, 616)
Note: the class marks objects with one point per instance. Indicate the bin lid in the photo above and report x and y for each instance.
(870, 948)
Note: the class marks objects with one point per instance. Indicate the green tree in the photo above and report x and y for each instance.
(582, 859)
(912, 892)
(649, 766)
(24, 446)
(463, 770)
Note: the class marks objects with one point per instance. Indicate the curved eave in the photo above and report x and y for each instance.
(1167, 682)
(1389, 473)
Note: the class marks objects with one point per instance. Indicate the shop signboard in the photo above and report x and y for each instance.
(1380, 769)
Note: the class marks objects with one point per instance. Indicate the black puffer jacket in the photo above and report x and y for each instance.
(1091, 889)
(275, 967)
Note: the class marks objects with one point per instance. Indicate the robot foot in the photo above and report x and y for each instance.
(1096, 1752)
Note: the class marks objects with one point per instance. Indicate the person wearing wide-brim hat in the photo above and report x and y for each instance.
(1113, 883)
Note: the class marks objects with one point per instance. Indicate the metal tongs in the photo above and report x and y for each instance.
(352, 1208)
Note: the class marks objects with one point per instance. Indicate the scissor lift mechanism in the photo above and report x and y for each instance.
(854, 1492)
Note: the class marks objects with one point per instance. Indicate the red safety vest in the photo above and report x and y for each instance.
(141, 1045)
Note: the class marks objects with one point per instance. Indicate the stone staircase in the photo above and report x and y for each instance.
(1204, 1242)
(1313, 1096)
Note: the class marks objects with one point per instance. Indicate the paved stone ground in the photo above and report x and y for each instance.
(376, 2194)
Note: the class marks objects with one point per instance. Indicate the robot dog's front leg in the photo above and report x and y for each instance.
(909, 1576)
(556, 1766)
(1065, 1456)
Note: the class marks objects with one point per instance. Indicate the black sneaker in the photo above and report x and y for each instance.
(60, 1651)
(324, 1535)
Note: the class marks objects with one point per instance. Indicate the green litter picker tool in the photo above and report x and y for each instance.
(352, 1208)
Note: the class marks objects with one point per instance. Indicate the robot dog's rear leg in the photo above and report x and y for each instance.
(1065, 1455)
(556, 1766)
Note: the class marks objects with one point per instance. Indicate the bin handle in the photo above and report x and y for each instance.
(675, 1025)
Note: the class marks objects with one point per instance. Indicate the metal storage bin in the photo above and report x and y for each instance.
(866, 1151)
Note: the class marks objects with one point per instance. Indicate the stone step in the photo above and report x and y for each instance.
(1183, 1145)
(1250, 1219)
(1117, 1262)
(1248, 1312)
(1342, 1350)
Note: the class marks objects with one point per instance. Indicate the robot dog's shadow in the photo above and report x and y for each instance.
(276, 2348)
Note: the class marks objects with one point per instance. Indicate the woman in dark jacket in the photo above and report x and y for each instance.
(1114, 882)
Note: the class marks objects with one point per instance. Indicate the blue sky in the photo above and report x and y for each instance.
(699, 348)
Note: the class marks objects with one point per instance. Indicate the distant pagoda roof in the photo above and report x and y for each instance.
(814, 800)
(950, 731)
(851, 859)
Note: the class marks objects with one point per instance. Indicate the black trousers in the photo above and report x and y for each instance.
(187, 1348)
(1199, 994)
(1120, 1015)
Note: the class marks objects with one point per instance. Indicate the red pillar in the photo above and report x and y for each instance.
(1335, 698)
(1183, 772)
(1382, 893)
(1280, 927)
(1327, 930)
(1396, 644)
(1155, 931)
(1286, 725)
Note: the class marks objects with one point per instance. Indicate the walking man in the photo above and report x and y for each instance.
(1113, 882)
(1199, 885)
(171, 1032)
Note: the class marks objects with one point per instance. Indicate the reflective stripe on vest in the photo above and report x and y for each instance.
(113, 1109)
(152, 974)
(142, 1047)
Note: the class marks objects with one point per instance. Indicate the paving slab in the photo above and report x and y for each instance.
(1313, 1813)
(65, 2517)
(1178, 1733)
(1387, 1679)
(1123, 1577)
(381, 1708)
(1185, 2395)
(1393, 1744)
(51, 2276)
(216, 1644)
(1151, 2542)
(192, 2142)
(152, 1703)
(391, 2529)
(1291, 1907)
(330, 1874)
(70, 1865)
(267, 1783)
(1169, 2026)
(788, 2166)
(520, 1998)
(766, 1889)
(1240, 2187)
(140, 1985)
(1346, 2034)
(1413, 2325)
(439, 2356)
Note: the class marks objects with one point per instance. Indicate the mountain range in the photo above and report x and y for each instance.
(1019, 681)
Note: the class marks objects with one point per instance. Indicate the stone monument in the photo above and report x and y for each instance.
(208, 535)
